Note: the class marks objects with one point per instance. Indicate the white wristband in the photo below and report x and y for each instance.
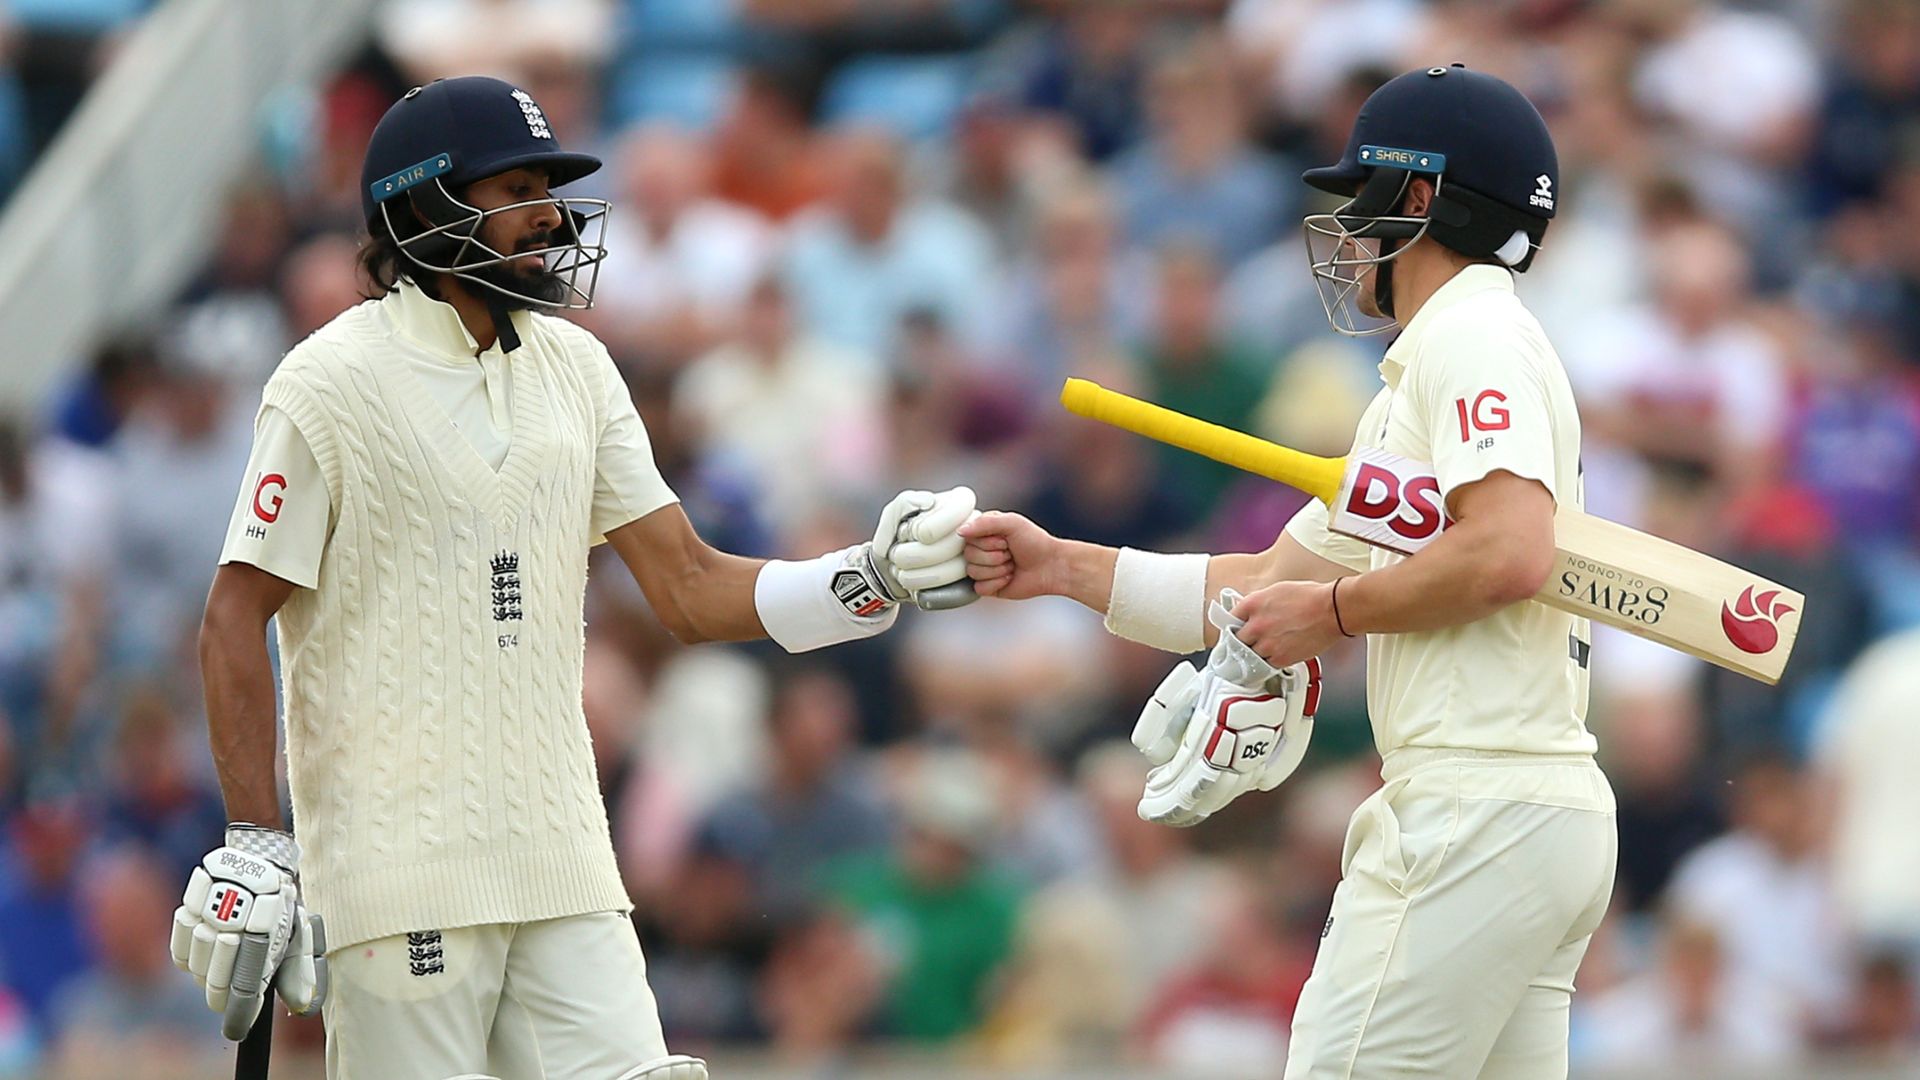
(799, 605)
(1160, 600)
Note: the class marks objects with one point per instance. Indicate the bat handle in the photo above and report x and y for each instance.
(251, 1060)
(249, 986)
(955, 594)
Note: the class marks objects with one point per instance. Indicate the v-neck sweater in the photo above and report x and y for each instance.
(438, 758)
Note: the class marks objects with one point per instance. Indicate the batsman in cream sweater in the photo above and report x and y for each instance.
(429, 472)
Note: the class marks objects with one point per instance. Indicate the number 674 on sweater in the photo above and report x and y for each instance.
(1602, 570)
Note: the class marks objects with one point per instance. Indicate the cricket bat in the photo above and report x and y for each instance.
(1602, 570)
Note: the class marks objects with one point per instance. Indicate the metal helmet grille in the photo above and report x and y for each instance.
(1344, 246)
(454, 247)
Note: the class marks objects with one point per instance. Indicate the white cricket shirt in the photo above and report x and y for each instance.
(283, 514)
(1473, 386)
(440, 767)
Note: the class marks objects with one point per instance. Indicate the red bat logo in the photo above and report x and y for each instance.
(1752, 623)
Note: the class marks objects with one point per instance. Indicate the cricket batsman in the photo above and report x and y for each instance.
(429, 471)
(1472, 881)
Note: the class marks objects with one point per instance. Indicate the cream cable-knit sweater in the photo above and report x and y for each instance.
(439, 761)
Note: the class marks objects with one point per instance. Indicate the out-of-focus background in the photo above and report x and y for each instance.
(856, 244)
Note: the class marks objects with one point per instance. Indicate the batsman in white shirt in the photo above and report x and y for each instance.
(429, 472)
(1474, 878)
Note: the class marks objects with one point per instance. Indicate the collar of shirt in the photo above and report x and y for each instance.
(1473, 278)
(435, 325)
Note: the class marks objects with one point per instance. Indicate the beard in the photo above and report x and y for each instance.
(533, 289)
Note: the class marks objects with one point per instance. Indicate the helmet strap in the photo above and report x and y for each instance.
(1383, 278)
(503, 332)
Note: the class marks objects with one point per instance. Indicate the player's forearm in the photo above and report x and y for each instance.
(715, 603)
(241, 722)
(1086, 573)
(1466, 574)
(1286, 560)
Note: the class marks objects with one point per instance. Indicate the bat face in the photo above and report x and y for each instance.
(1602, 570)
(1388, 501)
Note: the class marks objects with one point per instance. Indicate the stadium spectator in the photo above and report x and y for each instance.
(42, 938)
(817, 805)
(1651, 735)
(1871, 93)
(1107, 486)
(679, 262)
(1743, 87)
(318, 282)
(1186, 365)
(1763, 889)
(1230, 1015)
(1095, 950)
(936, 921)
(54, 509)
(1306, 51)
(1864, 736)
(796, 419)
(874, 250)
(1071, 301)
(1883, 1027)
(1686, 1013)
(436, 39)
(1195, 177)
(1688, 378)
(161, 799)
(231, 321)
(187, 436)
(647, 814)
(1046, 832)
(766, 158)
(1085, 70)
(131, 1012)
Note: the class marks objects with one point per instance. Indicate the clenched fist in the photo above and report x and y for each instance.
(1289, 621)
(1010, 557)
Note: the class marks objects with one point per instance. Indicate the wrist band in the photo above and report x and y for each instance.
(800, 609)
(1336, 607)
(1159, 600)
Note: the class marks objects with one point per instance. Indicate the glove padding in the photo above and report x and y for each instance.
(241, 925)
(915, 552)
(1214, 733)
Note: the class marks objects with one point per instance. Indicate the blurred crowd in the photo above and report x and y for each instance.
(856, 244)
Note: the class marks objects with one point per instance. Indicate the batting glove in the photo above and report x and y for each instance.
(1236, 725)
(241, 927)
(915, 551)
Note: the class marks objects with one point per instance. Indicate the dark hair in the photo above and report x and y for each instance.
(382, 264)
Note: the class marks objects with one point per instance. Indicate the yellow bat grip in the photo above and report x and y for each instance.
(1317, 476)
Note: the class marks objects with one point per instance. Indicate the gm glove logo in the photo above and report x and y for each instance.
(227, 904)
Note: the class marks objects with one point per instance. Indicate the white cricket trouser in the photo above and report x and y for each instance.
(565, 999)
(1470, 886)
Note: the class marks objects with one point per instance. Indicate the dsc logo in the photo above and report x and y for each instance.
(1409, 506)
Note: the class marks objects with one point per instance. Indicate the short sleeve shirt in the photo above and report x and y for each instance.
(1473, 387)
(283, 514)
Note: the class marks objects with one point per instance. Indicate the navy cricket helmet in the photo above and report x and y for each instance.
(1479, 141)
(449, 133)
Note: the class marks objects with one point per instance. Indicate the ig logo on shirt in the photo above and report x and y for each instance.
(267, 502)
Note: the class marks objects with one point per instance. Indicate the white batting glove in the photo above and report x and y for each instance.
(915, 551)
(1236, 725)
(241, 926)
